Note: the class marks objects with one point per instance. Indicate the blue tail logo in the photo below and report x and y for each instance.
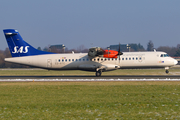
(18, 47)
(20, 50)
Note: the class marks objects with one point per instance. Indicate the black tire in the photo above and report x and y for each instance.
(167, 71)
(98, 73)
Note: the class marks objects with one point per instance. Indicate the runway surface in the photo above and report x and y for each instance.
(92, 78)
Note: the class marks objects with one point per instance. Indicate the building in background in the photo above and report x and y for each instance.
(127, 47)
(57, 48)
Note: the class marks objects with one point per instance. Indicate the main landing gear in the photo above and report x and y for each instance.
(98, 73)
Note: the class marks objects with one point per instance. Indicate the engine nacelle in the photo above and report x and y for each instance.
(110, 54)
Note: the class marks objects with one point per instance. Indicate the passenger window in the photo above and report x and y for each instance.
(122, 58)
(69, 60)
(83, 59)
(59, 60)
(66, 60)
(79, 59)
(126, 59)
(136, 58)
(161, 55)
(112, 59)
(115, 58)
(133, 58)
(108, 58)
(76, 59)
(98, 59)
(102, 59)
(62, 60)
(105, 59)
(72, 59)
(87, 59)
(129, 58)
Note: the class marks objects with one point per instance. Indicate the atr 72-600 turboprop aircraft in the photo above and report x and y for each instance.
(97, 59)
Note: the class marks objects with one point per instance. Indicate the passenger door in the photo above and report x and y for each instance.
(49, 63)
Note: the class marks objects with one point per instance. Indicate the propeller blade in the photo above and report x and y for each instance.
(119, 52)
(119, 48)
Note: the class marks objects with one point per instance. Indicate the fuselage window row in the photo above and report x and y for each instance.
(66, 60)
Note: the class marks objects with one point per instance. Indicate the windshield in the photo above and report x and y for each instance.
(164, 55)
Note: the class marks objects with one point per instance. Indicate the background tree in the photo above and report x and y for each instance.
(39, 48)
(46, 49)
(136, 47)
(150, 46)
(1, 59)
(80, 48)
(171, 51)
(177, 54)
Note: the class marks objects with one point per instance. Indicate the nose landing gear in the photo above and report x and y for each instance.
(167, 70)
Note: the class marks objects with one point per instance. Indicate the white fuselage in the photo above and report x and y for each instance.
(82, 61)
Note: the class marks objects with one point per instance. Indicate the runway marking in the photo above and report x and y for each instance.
(63, 80)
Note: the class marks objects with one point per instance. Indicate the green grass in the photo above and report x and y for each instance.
(89, 100)
(10, 72)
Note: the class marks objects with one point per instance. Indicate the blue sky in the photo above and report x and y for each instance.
(92, 22)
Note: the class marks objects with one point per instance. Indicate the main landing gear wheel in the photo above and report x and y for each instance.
(98, 73)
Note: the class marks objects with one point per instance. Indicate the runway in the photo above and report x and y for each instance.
(92, 78)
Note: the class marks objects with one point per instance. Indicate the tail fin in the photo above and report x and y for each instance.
(18, 47)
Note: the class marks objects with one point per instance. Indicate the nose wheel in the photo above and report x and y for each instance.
(167, 70)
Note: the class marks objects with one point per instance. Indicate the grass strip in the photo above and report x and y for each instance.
(89, 100)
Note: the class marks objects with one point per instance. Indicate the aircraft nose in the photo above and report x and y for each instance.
(175, 62)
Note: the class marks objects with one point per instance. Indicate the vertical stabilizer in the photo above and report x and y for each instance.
(18, 47)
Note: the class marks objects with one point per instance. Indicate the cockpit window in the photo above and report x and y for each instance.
(167, 55)
(164, 55)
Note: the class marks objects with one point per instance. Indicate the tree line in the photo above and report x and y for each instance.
(171, 51)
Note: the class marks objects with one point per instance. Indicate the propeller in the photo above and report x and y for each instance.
(108, 51)
(119, 53)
